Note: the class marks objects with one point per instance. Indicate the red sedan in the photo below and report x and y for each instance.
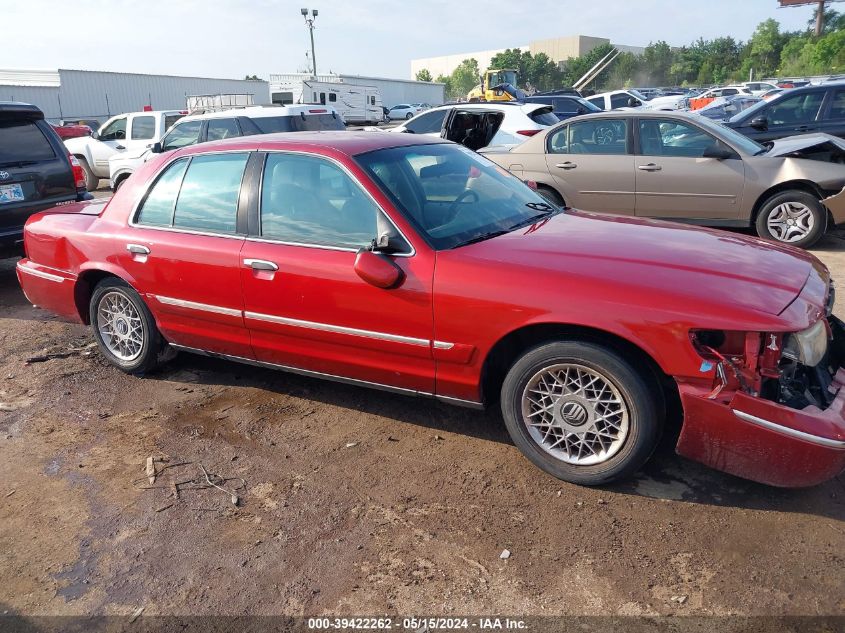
(411, 264)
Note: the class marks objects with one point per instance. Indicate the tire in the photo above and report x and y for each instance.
(127, 354)
(792, 217)
(638, 414)
(92, 181)
(551, 195)
(119, 183)
(409, 116)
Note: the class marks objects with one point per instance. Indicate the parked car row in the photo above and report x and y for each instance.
(675, 167)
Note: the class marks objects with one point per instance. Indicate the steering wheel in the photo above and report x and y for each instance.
(452, 212)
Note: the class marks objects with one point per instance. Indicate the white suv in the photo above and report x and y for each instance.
(214, 126)
(502, 123)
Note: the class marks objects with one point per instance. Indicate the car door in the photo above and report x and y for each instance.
(305, 306)
(591, 165)
(142, 131)
(181, 252)
(833, 118)
(111, 139)
(675, 180)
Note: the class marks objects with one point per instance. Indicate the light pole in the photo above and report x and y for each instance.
(309, 20)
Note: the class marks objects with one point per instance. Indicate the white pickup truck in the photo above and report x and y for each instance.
(627, 99)
(130, 132)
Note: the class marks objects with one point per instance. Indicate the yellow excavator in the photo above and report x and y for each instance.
(496, 85)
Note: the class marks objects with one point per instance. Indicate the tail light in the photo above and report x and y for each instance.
(78, 173)
(528, 132)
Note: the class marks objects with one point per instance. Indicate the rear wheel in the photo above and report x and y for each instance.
(409, 116)
(792, 217)
(581, 412)
(124, 328)
(92, 181)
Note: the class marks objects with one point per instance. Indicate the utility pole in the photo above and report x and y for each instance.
(309, 20)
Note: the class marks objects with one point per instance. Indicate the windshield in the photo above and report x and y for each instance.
(590, 107)
(737, 140)
(502, 77)
(452, 194)
(750, 112)
(638, 95)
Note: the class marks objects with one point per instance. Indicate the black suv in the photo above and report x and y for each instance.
(35, 171)
(796, 111)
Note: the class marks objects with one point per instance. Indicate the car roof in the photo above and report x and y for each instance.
(257, 112)
(340, 141)
(20, 108)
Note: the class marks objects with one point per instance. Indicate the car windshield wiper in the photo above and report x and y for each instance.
(547, 211)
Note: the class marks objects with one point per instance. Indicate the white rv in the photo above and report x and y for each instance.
(356, 104)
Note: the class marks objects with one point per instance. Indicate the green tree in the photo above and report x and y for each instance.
(424, 75)
(764, 49)
(446, 80)
(464, 78)
(657, 61)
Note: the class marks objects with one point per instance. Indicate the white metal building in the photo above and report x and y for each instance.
(82, 94)
(393, 91)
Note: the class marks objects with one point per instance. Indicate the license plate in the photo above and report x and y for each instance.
(11, 193)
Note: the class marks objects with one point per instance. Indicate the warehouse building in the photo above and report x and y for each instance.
(559, 49)
(393, 91)
(81, 94)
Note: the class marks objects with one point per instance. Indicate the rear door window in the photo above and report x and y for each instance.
(428, 123)
(23, 142)
(208, 198)
(837, 105)
(602, 136)
(219, 129)
(143, 128)
(544, 116)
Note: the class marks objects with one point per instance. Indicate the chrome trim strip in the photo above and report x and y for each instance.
(669, 194)
(37, 273)
(304, 372)
(785, 430)
(198, 306)
(460, 402)
(443, 345)
(338, 329)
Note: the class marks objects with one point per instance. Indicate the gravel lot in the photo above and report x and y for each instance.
(358, 502)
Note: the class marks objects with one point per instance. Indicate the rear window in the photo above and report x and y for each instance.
(298, 123)
(170, 119)
(544, 116)
(23, 141)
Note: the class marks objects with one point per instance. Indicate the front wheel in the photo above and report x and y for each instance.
(581, 412)
(124, 328)
(792, 217)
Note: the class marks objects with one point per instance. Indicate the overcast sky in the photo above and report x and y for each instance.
(231, 38)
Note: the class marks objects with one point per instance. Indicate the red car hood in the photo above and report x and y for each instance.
(687, 260)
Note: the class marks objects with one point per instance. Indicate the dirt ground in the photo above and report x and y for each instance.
(358, 502)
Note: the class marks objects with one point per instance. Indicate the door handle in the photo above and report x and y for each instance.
(566, 165)
(137, 249)
(649, 167)
(261, 264)
(120, 147)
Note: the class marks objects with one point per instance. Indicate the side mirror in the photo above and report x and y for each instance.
(633, 103)
(760, 122)
(717, 151)
(156, 148)
(95, 135)
(377, 270)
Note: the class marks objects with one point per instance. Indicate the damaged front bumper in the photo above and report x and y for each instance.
(768, 441)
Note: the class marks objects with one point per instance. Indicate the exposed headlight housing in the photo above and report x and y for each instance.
(809, 346)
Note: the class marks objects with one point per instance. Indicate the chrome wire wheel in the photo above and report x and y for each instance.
(575, 414)
(120, 326)
(791, 222)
